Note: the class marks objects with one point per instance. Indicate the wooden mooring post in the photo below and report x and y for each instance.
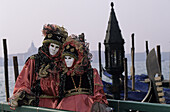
(169, 71)
(133, 63)
(125, 79)
(159, 56)
(100, 63)
(147, 49)
(15, 62)
(6, 69)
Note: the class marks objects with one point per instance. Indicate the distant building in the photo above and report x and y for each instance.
(22, 57)
(32, 49)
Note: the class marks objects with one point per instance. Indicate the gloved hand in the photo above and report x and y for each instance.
(22, 98)
(98, 107)
(13, 101)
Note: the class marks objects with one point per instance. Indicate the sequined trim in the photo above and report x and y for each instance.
(46, 96)
(52, 41)
(77, 91)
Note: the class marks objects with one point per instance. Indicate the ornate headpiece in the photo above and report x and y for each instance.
(70, 50)
(54, 34)
(78, 49)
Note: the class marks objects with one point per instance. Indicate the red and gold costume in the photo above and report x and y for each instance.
(38, 82)
(80, 85)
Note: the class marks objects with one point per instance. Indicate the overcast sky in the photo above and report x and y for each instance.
(21, 21)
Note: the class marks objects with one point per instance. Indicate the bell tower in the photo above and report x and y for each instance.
(114, 52)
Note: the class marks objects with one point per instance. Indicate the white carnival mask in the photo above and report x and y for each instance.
(53, 48)
(69, 60)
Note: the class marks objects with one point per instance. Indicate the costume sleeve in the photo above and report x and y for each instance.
(99, 95)
(25, 78)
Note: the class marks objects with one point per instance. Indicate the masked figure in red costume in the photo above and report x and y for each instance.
(38, 82)
(81, 88)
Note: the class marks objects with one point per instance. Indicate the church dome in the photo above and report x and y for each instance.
(32, 49)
